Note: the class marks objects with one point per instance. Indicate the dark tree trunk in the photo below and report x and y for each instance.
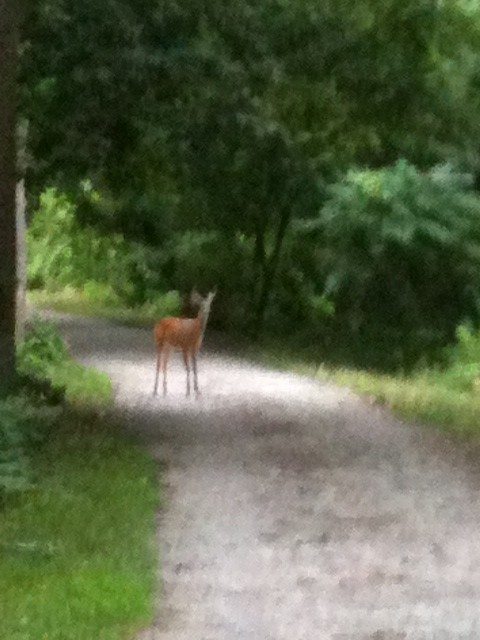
(269, 273)
(8, 180)
(21, 204)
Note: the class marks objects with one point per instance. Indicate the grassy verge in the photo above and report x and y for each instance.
(424, 397)
(77, 552)
(430, 397)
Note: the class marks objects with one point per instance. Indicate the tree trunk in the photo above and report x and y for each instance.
(269, 273)
(21, 298)
(8, 179)
(21, 203)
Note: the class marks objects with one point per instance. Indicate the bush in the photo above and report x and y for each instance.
(63, 253)
(399, 253)
(463, 370)
(47, 367)
(48, 375)
(42, 350)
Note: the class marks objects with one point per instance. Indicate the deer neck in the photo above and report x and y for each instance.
(203, 319)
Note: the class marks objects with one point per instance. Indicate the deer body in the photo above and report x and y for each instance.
(185, 334)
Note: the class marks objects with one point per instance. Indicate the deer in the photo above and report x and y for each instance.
(184, 334)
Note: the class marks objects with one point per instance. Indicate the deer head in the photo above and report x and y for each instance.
(196, 299)
(203, 304)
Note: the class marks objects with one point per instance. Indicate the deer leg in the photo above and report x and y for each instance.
(195, 376)
(157, 371)
(187, 369)
(166, 353)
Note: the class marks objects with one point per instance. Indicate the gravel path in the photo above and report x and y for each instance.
(296, 511)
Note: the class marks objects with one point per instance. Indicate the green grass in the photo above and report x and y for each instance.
(430, 397)
(424, 397)
(83, 385)
(448, 399)
(77, 555)
(77, 548)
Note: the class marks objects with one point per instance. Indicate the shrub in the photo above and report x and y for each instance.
(63, 253)
(399, 253)
(463, 370)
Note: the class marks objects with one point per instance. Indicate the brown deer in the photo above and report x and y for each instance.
(185, 334)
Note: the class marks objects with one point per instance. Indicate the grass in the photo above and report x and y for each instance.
(77, 550)
(424, 397)
(77, 555)
(80, 383)
(428, 396)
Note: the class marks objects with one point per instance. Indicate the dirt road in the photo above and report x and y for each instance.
(296, 511)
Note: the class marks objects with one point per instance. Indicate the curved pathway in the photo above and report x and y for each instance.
(295, 510)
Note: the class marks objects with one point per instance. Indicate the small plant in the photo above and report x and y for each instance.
(463, 371)
(42, 348)
(40, 357)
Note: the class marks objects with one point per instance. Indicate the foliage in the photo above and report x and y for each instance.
(42, 350)
(65, 253)
(370, 77)
(187, 142)
(48, 376)
(463, 361)
(400, 256)
(231, 117)
(47, 367)
(23, 424)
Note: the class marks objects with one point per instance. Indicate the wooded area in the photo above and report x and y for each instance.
(8, 179)
(318, 162)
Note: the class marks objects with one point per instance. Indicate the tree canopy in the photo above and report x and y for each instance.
(233, 118)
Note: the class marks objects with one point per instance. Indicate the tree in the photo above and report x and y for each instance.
(8, 180)
(400, 258)
(228, 115)
(252, 180)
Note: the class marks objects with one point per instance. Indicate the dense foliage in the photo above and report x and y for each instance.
(400, 256)
(196, 141)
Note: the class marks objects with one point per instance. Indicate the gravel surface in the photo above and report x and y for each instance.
(295, 510)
